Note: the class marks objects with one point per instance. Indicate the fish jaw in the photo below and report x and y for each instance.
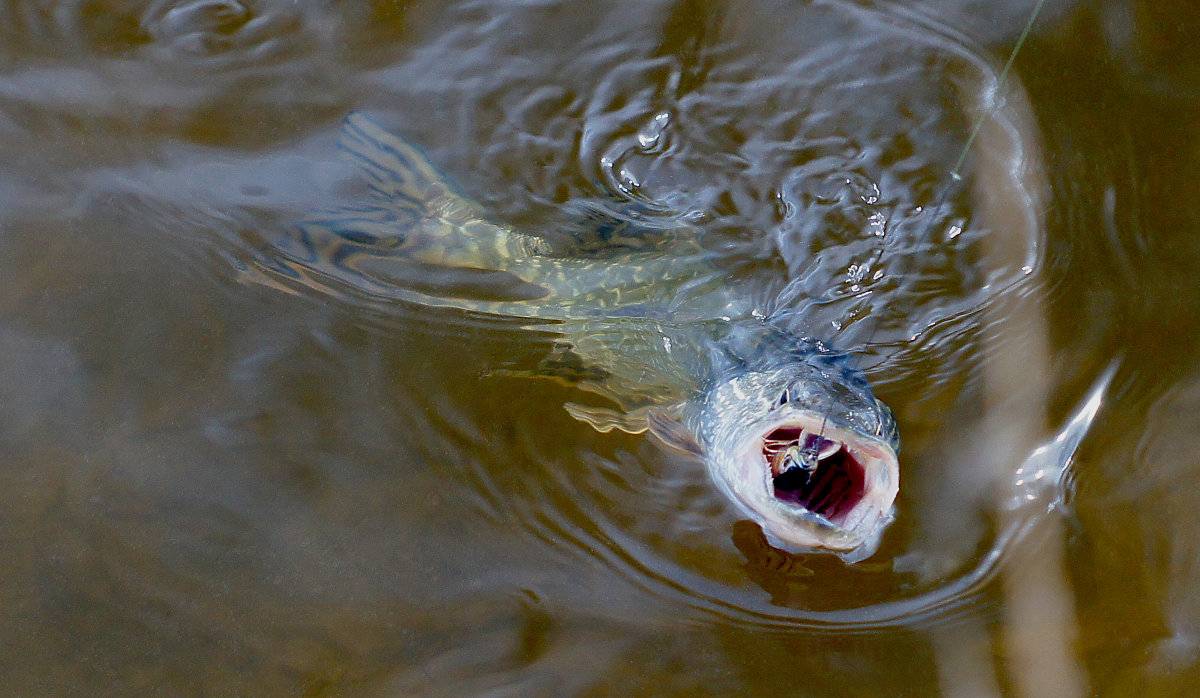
(814, 484)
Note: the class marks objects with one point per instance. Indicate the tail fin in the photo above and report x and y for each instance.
(414, 238)
(429, 220)
(400, 173)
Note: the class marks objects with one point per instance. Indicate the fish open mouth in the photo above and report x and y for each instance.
(818, 473)
(813, 482)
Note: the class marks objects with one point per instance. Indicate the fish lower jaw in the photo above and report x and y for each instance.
(808, 532)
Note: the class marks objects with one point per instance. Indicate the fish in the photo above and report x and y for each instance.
(787, 427)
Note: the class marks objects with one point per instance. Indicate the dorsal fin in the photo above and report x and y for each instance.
(400, 173)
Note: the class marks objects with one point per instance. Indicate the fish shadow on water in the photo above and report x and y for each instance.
(779, 573)
(792, 580)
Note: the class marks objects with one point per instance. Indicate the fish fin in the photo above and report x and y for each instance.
(565, 364)
(667, 424)
(437, 223)
(398, 171)
(604, 419)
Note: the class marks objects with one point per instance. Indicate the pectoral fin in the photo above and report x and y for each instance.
(604, 419)
(667, 424)
(663, 422)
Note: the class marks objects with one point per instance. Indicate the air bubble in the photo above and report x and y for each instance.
(651, 134)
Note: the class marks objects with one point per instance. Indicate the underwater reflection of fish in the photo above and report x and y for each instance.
(789, 430)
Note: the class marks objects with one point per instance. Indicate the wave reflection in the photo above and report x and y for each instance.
(818, 165)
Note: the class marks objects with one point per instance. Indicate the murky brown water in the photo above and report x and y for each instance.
(217, 482)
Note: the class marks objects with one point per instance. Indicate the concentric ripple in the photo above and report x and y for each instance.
(816, 163)
(825, 165)
(184, 28)
(243, 72)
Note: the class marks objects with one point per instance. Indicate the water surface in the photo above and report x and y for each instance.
(216, 481)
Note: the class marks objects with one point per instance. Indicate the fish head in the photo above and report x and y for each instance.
(803, 446)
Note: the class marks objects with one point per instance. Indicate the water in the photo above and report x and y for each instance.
(217, 482)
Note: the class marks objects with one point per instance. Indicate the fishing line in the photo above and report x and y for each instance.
(1012, 57)
(955, 172)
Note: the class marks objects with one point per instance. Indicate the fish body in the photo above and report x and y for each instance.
(789, 431)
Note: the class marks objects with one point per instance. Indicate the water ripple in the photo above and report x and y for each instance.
(823, 176)
(835, 165)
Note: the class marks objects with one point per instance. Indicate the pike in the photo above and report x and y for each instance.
(789, 431)
(788, 428)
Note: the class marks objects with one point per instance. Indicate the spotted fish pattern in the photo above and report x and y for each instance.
(416, 219)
